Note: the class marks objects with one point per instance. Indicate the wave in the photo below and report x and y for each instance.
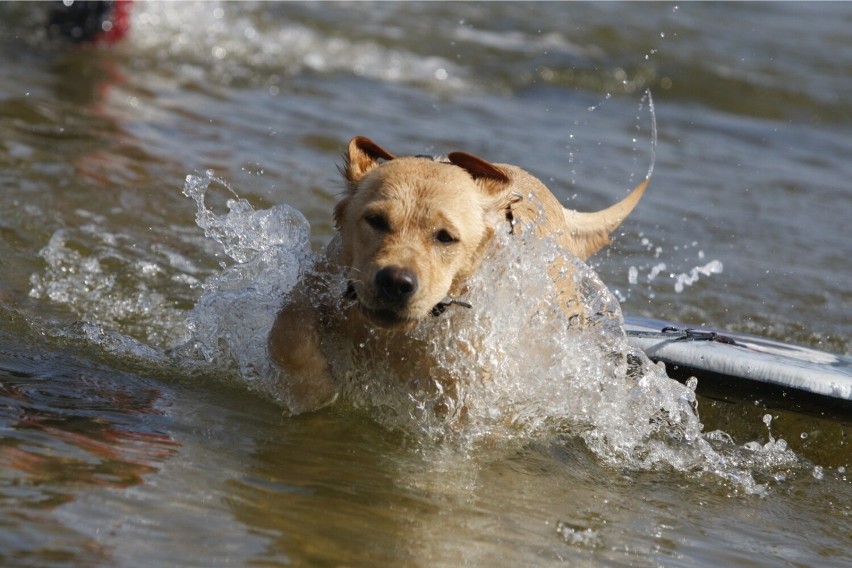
(500, 49)
(690, 54)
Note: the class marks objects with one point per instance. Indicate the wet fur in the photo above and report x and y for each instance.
(410, 232)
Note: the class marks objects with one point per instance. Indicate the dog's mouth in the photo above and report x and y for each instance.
(384, 317)
(388, 319)
(392, 318)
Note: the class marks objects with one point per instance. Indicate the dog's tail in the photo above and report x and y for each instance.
(590, 231)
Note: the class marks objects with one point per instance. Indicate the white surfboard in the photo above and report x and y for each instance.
(723, 360)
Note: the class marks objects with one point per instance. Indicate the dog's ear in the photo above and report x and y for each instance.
(362, 156)
(491, 178)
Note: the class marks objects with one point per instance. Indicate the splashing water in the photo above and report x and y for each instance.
(246, 48)
(229, 325)
(688, 279)
(526, 371)
(652, 113)
(646, 275)
(104, 278)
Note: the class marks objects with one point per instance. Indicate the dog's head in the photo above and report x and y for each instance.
(413, 229)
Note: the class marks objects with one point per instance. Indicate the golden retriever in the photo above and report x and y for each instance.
(410, 232)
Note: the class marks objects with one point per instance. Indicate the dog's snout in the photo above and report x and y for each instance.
(395, 283)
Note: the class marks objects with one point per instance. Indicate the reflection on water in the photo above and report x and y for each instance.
(99, 464)
(68, 431)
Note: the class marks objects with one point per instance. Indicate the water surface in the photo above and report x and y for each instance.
(128, 432)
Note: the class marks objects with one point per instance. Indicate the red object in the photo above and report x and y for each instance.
(117, 24)
(89, 21)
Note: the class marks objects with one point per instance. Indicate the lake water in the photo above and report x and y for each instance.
(155, 197)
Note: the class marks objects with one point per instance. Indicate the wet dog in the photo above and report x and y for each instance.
(411, 231)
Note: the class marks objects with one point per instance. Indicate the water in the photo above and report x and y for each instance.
(159, 196)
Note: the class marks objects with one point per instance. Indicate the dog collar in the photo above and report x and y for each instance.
(447, 302)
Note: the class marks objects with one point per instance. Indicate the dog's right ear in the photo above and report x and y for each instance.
(362, 156)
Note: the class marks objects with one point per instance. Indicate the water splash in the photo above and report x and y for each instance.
(577, 536)
(229, 324)
(527, 370)
(595, 107)
(235, 43)
(653, 114)
(688, 279)
(99, 276)
(648, 275)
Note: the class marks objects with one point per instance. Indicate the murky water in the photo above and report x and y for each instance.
(160, 195)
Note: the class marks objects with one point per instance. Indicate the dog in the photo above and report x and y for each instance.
(411, 232)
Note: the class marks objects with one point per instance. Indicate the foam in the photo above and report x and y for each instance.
(527, 372)
(232, 43)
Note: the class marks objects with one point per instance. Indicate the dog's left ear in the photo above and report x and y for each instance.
(490, 177)
(362, 156)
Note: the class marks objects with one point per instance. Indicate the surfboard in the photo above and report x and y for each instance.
(739, 366)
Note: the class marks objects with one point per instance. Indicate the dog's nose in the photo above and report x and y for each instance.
(395, 283)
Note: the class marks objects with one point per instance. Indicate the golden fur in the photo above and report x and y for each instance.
(411, 231)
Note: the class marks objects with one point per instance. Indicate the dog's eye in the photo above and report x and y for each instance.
(444, 237)
(378, 222)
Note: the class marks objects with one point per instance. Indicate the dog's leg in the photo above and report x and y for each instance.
(294, 345)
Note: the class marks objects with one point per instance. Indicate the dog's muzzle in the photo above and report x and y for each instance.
(437, 310)
(396, 285)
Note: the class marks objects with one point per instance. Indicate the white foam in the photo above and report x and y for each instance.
(229, 324)
(688, 279)
(652, 270)
(232, 42)
(526, 370)
(93, 273)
